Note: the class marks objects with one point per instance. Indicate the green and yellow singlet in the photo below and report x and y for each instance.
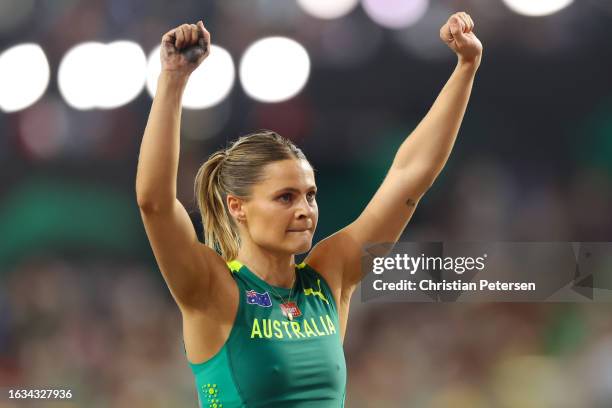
(270, 360)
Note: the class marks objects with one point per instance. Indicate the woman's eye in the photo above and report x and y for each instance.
(288, 197)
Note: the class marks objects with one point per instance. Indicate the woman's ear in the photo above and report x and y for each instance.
(235, 206)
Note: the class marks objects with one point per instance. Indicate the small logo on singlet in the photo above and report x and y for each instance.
(319, 293)
(261, 299)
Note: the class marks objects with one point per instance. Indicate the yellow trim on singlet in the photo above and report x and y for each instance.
(235, 265)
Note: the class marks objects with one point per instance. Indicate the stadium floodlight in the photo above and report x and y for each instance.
(24, 76)
(537, 8)
(326, 9)
(395, 14)
(274, 69)
(95, 75)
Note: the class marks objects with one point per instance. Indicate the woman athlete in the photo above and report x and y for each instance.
(259, 330)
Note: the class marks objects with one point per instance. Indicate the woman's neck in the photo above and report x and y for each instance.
(275, 269)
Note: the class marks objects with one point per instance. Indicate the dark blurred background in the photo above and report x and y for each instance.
(83, 305)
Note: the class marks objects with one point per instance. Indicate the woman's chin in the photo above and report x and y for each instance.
(303, 246)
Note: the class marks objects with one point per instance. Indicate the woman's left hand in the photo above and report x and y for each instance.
(458, 34)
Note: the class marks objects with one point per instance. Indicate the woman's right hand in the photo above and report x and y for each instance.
(184, 48)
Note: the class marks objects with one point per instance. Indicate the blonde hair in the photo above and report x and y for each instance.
(235, 170)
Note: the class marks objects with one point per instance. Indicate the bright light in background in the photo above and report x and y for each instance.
(274, 69)
(537, 8)
(78, 74)
(208, 85)
(95, 75)
(24, 76)
(395, 14)
(327, 9)
(124, 68)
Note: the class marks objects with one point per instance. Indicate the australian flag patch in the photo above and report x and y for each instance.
(261, 299)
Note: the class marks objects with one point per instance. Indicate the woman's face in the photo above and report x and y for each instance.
(281, 214)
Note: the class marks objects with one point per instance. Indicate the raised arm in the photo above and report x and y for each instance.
(416, 165)
(428, 147)
(159, 151)
(183, 261)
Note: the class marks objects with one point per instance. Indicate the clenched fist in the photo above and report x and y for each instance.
(458, 34)
(184, 48)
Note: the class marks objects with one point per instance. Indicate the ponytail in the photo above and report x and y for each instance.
(219, 232)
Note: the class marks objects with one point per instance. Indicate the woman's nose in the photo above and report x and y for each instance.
(304, 209)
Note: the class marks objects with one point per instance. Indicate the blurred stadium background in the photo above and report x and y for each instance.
(82, 304)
